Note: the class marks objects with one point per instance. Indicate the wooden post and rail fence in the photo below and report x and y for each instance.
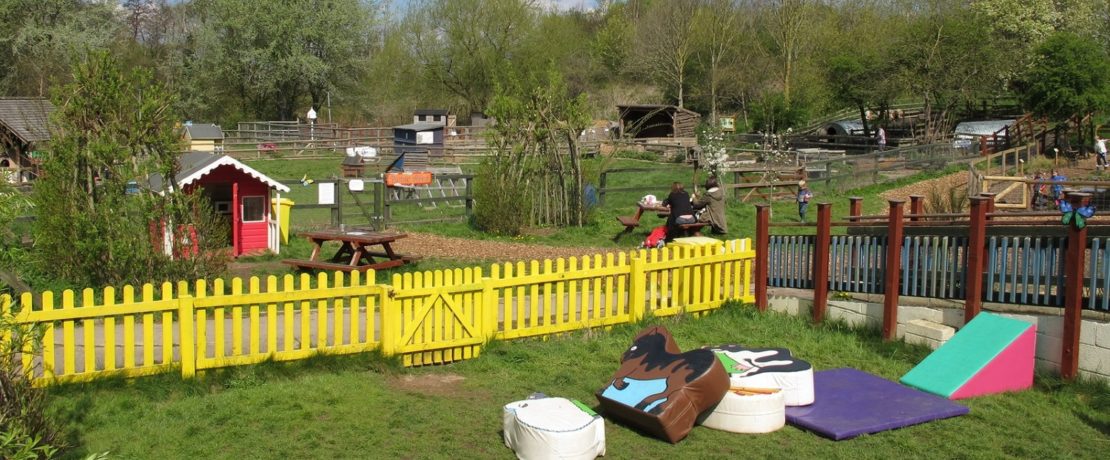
(423, 318)
(1024, 258)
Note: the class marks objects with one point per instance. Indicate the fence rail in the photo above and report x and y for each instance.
(425, 318)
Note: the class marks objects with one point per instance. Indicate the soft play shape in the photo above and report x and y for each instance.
(851, 402)
(748, 413)
(991, 354)
(768, 368)
(553, 428)
(661, 390)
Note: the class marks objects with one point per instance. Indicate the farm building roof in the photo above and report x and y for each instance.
(27, 118)
(981, 128)
(204, 132)
(622, 108)
(420, 126)
(431, 112)
(195, 165)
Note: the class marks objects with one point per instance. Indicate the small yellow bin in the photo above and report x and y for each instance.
(281, 208)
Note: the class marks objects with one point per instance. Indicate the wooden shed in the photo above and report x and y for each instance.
(651, 121)
(204, 137)
(23, 128)
(441, 116)
(237, 191)
(423, 136)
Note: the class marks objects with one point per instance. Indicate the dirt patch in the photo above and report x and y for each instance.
(446, 384)
(443, 247)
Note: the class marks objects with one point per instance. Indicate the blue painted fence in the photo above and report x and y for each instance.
(1019, 270)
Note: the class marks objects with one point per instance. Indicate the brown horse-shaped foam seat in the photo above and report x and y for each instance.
(661, 390)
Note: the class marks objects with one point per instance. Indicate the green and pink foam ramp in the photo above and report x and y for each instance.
(991, 354)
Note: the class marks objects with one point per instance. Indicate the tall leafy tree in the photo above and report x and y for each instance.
(665, 45)
(42, 38)
(111, 131)
(273, 57)
(1070, 76)
(466, 46)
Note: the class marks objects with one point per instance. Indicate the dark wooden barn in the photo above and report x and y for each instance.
(653, 121)
(425, 137)
(23, 128)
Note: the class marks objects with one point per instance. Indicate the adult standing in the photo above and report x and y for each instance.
(713, 203)
(1100, 153)
(682, 210)
(804, 195)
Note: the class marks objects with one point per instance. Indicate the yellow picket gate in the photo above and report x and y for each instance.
(425, 318)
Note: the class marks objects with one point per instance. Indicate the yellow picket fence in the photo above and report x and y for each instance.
(426, 317)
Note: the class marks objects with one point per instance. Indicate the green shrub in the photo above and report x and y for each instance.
(25, 430)
(501, 206)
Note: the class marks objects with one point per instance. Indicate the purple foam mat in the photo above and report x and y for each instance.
(849, 402)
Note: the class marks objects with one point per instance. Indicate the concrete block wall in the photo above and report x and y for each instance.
(932, 326)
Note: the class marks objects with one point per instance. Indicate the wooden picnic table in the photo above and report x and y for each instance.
(631, 222)
(356, 251)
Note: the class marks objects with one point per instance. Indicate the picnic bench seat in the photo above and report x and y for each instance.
(333, 266)
(629, 222)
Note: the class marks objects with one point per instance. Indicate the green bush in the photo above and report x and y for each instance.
(25, 430)
(501, 206)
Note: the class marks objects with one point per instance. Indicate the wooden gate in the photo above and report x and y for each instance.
(439, 315)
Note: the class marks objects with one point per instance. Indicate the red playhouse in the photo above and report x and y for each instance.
(237, 191)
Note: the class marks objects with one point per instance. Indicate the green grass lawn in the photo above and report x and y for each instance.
(367, 407)
(603, 224)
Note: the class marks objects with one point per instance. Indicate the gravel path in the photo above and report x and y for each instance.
(443, 247)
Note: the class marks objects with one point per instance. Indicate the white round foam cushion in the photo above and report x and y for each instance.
(769, 368)
(758, 413)
(797, 386)
(553, 428)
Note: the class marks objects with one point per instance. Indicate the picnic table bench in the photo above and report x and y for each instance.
(356, 251)
(631, 222)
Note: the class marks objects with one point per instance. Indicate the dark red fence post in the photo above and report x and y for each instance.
(976, 257)
(855, 208)
(917, 206)
(893, 269)
(762, 249)
(821, 261)
(1073, 291)
(990, 203)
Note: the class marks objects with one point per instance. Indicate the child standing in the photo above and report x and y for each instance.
(804, 195)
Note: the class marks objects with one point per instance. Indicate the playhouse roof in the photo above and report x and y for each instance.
(26, 117)
(196, 165)
(422, 126)
(204, 131)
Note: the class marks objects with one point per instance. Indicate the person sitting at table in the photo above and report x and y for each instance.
(713, 204)
(682, 211)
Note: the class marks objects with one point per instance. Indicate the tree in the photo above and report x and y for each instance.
(716, 23)
(1069, 76)
(42, 37)
(467, 46)
(269, 56)
(534, 176)
(789, 24)
(665, 45)
(112, 131)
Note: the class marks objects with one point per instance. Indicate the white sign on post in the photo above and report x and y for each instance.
(326, 193)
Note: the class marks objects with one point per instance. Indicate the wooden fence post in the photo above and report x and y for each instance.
(1073, 291)
(893, 268)
(490, 303)
(187, 343)
(917, 206)
(390, 325)
(821, 261)
(855, 208)
(636, 285)
(762, 243)
(990, 203)
(976, 258)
